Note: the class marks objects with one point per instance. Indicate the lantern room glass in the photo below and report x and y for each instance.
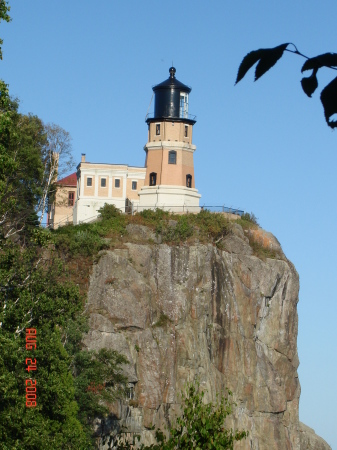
(183, 110)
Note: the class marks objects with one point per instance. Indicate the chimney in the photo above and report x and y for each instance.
(83, 157)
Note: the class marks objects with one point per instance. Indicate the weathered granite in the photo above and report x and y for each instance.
(310, 440)
(223, 316)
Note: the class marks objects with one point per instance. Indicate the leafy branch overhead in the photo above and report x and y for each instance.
(4, 10)
(266, 58)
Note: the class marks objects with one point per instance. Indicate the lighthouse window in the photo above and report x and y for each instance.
(172, 157)
(157, 129)
(183, 111)
(189, 181)
(153, 178)
(186, 130)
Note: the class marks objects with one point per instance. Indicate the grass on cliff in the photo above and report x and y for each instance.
(110, 231)
(259, 242)
(88, 239)
(177, 228)
(248, 221)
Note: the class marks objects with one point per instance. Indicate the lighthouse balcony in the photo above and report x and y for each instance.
(186, 118)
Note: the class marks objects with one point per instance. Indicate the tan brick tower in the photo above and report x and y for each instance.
(169, 181)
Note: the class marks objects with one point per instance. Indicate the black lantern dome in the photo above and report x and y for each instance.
(171, 100)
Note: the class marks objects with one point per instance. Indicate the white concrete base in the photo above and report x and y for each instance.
(86, 209)
(169, 198)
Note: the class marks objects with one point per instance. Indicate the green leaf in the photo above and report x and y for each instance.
(329, 102)
(310, 84)
(324, 60)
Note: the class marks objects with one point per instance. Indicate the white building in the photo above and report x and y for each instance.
(97, 184)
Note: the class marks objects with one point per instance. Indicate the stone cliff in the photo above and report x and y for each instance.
(224, 316)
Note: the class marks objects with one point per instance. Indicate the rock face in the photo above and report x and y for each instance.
(310, 440)
(224, 316)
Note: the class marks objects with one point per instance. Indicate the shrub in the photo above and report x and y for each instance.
(211, 224)
(81, 240)
(178, 232)
(154, 215)
(109, 212)
(200, 425)
(248, 220)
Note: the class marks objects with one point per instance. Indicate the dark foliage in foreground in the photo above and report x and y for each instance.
(266, 58)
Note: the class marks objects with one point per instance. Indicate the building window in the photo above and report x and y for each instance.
(153, 178)
(134, 185)
(117, 183)
(189, 181)
(89, 181)
(157, 129)
(186, 130)
(71, 198)
(172, 157)
(103, 182)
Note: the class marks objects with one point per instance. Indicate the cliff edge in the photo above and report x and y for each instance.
(223, 315)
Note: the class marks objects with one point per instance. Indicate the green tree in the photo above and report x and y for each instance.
(73, 385)
(22, 148)
(32, 296)
(4, 10)
(32, 155)
(98, 382)
(200, 426)
(266, 58)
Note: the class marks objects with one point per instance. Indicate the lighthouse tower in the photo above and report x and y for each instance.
(169, 181)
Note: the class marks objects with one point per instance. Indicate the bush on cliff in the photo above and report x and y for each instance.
(200, 426)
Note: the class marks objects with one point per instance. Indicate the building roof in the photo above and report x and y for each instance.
(172, 83)
(70, 180)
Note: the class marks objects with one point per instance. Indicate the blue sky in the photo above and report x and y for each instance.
(262, 147)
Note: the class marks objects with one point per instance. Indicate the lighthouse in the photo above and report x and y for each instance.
(169, 180)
